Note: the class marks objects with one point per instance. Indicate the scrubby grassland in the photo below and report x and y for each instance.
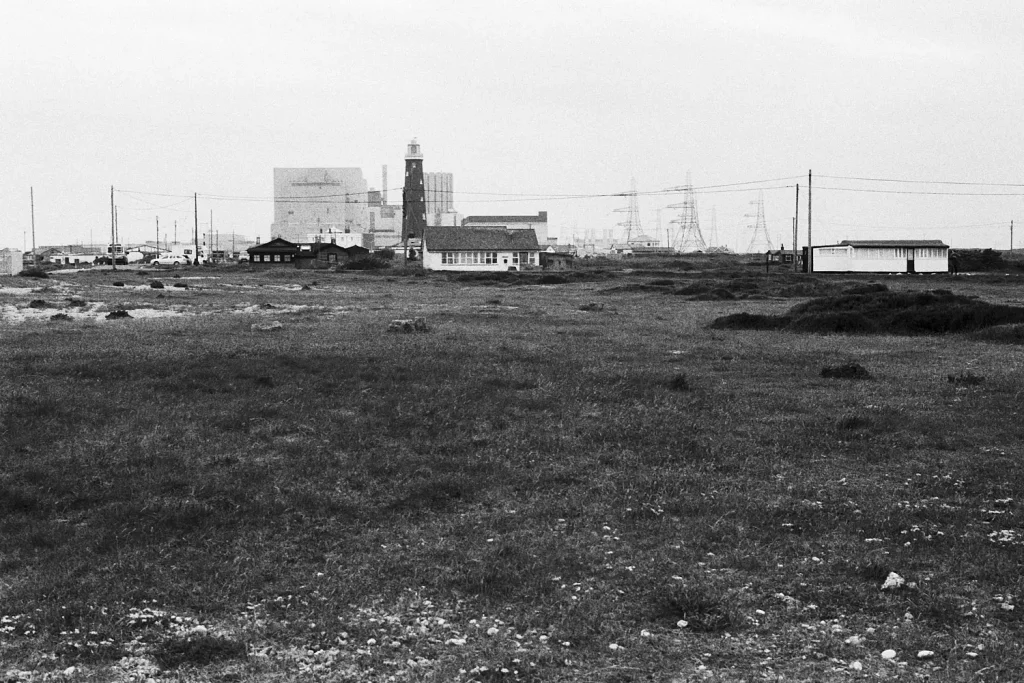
(527, 492)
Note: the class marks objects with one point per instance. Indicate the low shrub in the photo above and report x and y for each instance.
(679, 383)
(372, 262)
(846, 371)
(35, 271)
(748, 321)
(1001, 334)
(197, 650)
(966, 378)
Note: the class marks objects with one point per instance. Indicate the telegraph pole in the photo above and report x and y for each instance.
(195, 199)
(32, 204)
(157, 245)
(810, 244)
(1011, 237)
(796, 223)
(113, 222)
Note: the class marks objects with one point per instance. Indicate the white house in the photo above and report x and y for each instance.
(882, 256)
(475, 249)
(10, 261)
(538, 224)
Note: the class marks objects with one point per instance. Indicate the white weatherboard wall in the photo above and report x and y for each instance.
(433, 260)
(851, 259)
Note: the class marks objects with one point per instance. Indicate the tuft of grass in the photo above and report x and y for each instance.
(679, 383)
(846, 371)
(197, 650)
(706, 607)
(965, 378)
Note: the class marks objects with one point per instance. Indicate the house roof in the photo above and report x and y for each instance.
(541, 217)
(889, 243)
(278, 244)
(447, 238)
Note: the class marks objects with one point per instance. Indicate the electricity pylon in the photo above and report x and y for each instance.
(759, 242)
(690, 238)
(632, 222)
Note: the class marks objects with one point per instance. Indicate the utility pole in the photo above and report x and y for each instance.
(157, 245)
(175, 235)
(195, 199)
(796, 223)
(32, 205)
(113, 229)
(810, 244)
(1011, 238)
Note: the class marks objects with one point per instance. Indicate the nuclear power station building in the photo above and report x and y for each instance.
(318, 200)
(336, 204)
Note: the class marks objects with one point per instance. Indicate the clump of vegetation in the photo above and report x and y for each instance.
(869, 288)
(846, 371)
(34, 271)
(156, 284)
(1002, 334)
(39, 303)
(884, 312)
(197, 650)
(980, 260)
(965, 378)
(118, 315)
(372, 262)
(748, 321)
(60, 316)
(679, 383)
(704, 607)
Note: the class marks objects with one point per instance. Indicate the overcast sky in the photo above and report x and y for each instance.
(540, 99)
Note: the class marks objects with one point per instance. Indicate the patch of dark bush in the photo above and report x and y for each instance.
(846, 371)
(718, 294)
(693, 288)
(156, 284)
(60, 316)
(552, 279)
(39, 303)
(183, 285)
(965, 378)
(76, 303)
(369, 263)
(852, 422)
(980, 260)
(34, 272)
(662, 282)
(868, 288)
(748, 321)
(826, 323)
(197, 650)
(118, 284)
(118, 315)
(707, 608)
(909, 313)
(679, 383)
(1001, 334)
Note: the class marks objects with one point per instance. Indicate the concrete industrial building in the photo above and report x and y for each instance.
(439, 192)
(310, 200)
(10, 261)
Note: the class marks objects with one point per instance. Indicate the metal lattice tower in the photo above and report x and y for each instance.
(713, 234)
(690, 237)
(759, 242)
(632, 222)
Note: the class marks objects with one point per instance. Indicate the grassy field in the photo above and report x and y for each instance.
(565, 479)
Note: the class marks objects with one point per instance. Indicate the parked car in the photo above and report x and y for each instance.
(171, 260)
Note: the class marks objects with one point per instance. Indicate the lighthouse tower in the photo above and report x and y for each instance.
(414, 205)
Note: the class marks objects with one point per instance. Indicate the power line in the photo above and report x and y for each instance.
(923, 182)
(917, 192)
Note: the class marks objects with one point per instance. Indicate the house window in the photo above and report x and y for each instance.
(287, 257)
(491, 257)
(515, 257)
(277, 258)
(446, 258)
